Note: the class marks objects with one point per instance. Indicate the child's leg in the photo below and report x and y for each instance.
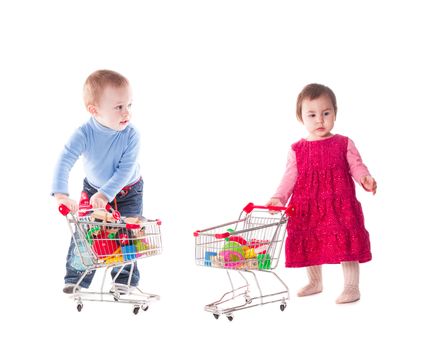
(74, 268)
(315, 281)
(130, 204)
(125, 275)
(351, 283)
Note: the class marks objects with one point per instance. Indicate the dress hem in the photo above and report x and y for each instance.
(361, 260)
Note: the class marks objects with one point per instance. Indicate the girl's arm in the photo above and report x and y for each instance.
(358, 169)
(285, 189)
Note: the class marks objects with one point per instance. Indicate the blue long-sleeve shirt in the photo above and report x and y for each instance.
(109, 158)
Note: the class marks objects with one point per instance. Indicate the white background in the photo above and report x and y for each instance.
(215, 84)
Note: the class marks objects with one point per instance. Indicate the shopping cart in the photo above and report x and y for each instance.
(249, 245)
(104, 240)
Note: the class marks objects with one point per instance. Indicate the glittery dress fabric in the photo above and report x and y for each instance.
(328, 225)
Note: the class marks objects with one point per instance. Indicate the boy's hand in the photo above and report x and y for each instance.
(68, 202)
(98, 200)
(369, 184)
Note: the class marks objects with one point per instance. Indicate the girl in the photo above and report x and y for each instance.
(328, 225)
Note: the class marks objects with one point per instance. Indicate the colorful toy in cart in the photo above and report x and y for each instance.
(113, 245)
(237, 253)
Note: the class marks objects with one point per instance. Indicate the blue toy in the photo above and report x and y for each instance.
(128, 252)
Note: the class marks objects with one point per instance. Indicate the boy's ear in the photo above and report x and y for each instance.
(92, 109)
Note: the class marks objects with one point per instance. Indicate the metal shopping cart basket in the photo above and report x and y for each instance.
(250, 246)
(104, 240)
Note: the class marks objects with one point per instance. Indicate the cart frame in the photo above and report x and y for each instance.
(91, 260)
(269, 224)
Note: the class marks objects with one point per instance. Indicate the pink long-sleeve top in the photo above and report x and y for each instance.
(285, 189)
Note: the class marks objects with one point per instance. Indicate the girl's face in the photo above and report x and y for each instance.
(318, 117)
(114, 108)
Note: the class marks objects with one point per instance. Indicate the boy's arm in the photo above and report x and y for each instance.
(70, 154)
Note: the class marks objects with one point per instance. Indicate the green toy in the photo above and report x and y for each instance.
(264, 261)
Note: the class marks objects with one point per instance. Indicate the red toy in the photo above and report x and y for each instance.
(103, 246)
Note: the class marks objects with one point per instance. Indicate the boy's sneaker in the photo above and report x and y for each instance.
(69, 288)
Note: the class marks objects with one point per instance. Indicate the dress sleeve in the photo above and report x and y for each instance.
(356, 166)
(285, 189)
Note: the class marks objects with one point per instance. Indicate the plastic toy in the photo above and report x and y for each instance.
(123, 239)
(264, 261)
(233, 246)
(103, 246)
(111, 235)
(141, 245)
(238, 239)
(217, 261)
(232, 258)
(256, 244)
(128, 252)
(94, 231)
(135, 220)
(84, 204)
(208, 256)
(116, 257)
(102, 216)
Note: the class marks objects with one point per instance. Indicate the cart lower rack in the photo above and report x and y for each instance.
(248, 247)
(104, 240)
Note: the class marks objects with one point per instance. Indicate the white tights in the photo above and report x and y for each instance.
(351, 282)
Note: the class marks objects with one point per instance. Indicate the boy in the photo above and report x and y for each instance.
(109, 145)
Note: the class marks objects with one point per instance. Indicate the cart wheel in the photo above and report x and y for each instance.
(216, 316)
(230, 317)
(145, 307)
(136, 310)
(79, 307)
(283, 306)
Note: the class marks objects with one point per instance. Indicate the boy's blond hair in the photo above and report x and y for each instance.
(311, 92)
(98, 81)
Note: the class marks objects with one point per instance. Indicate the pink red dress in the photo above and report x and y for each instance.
(328, 225)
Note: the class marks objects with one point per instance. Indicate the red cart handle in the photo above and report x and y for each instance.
(64, 210)
(249, 207)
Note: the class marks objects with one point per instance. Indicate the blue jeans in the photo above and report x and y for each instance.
(129, 203)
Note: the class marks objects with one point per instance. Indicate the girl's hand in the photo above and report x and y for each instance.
(275, 202)
(98, 200)
(369, 184)
(66, 201)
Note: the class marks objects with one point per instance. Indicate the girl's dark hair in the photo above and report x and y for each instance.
(311, 92)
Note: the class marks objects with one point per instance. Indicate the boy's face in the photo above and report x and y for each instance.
(318, 116)
(113, 109)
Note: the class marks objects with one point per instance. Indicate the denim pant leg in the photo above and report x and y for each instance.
(74, 270)
(129, 204)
